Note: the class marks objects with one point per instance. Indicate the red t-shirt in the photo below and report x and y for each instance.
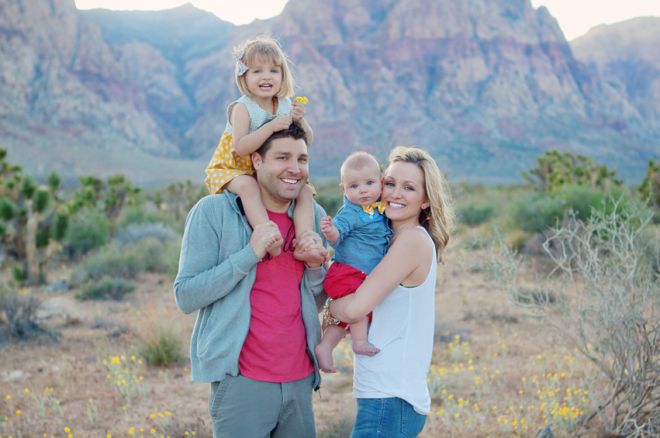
(275, 349)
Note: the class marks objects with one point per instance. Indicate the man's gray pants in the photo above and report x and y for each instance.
(247, 408)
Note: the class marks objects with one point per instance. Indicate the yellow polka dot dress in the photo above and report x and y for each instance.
(226, 164)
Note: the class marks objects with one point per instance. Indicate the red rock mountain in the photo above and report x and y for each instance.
(485, 85)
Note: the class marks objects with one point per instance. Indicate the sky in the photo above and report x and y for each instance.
(575, 17)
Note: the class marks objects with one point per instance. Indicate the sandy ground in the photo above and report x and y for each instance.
(497, 371)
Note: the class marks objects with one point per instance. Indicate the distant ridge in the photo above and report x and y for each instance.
(485, 87)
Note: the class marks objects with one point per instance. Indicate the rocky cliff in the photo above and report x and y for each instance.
(485, 85)
(626, 55)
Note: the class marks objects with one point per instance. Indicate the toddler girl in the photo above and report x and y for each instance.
(360, 235)
(263, 76)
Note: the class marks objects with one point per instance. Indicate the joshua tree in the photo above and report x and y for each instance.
(556, 169)
(33, 220)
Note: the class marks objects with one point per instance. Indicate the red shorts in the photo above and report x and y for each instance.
(342, 280)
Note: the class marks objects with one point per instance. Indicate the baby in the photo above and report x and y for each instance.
(360, 235)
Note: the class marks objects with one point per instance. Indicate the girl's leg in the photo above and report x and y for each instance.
(246, 187)
(359, 342)
(303, 219)
(331, 337)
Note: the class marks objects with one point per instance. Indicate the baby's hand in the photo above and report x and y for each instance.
(280, 123)
(297, 111)
(328, 229)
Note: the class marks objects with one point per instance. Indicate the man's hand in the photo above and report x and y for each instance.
(311, 244)
(280, 123)
(264, 237)
(328, 229)
(297, 111)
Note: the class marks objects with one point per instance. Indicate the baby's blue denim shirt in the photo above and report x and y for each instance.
(363, 237)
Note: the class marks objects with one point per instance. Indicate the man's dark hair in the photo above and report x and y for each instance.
(294, 131)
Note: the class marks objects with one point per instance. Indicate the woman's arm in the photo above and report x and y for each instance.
(410, 254)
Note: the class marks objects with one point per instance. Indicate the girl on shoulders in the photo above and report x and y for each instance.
(263, 76)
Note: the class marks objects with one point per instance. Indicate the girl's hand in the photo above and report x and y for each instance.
(280, 123)
(297, 111)
(328, 229)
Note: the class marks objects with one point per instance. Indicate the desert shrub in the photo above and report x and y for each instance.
(139, 231)
(139, 214)
(162, 348)
(340, 428)
(537, 213)
(608, 309)
(581, 200)
(109, 261)
(18, 319)
(330, 197)
(106, 288)
(88, 230)
(329, 202)
(156, 255)
(127, 261)
(474, 214)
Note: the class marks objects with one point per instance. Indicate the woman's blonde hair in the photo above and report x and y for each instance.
(438, 218)
(267, 48)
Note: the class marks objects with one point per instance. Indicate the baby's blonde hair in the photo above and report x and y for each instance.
(358, 160)
(438, 218)
(267, 48)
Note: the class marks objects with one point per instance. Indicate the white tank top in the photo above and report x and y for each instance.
(402, 327)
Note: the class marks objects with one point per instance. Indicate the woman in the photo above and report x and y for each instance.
(390, 387)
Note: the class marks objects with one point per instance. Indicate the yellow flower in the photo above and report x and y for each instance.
(67, 430)
(19, 412)
(115, 360)
(302, 99)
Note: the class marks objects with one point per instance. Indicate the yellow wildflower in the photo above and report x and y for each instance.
(302, 99)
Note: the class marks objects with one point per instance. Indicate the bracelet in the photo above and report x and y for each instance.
(327, 318)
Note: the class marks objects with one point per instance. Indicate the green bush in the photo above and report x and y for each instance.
(106, 288)
(138, 214)
(88, 230)
(474, 214)
(109, 261)
(582, 200)
(162, 349)
(538, 213)
(127, 261)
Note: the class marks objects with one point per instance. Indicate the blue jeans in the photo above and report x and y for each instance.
(386, 418)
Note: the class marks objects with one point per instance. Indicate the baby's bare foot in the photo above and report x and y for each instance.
(324, 357)
(364, 347)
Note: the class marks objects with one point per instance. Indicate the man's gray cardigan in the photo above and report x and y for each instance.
(217, 269)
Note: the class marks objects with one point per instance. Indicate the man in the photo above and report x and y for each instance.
(257, 326)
